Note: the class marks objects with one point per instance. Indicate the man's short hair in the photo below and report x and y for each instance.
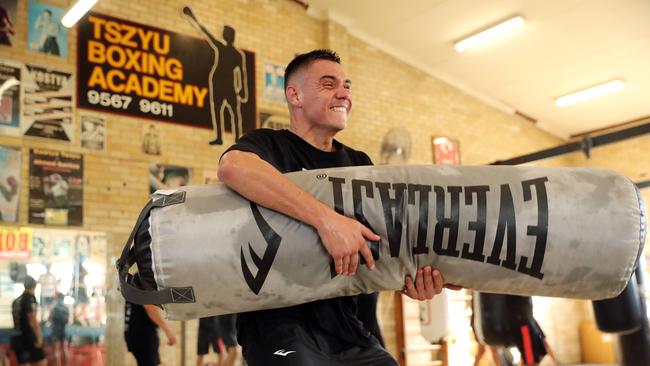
(29, 282)
(305, 59)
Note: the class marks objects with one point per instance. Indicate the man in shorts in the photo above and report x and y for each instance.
(27, 339)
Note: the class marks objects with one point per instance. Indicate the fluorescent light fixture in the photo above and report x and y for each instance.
(76, 12)
(490, 34)
(593, 92)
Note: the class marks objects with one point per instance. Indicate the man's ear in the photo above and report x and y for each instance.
(293, 95)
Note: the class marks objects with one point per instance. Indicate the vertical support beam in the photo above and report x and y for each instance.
(399, 328)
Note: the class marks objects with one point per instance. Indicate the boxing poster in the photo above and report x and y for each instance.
(168, 177)
(274, 83)
(48, 103)
(143, 71)
(9, 183)
(151, 143)
(46, 33)
(9, 97)
(55, 187)
(274, 121)
(93, 132)
(7, 22)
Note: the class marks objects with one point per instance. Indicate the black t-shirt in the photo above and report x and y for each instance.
(288, 153)
(136, 320)
(20, 308)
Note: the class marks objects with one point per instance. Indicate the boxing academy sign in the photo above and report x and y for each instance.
(392, 200)
(143, 71)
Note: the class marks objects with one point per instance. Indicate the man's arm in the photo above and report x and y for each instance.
(154, 315)
(255, 179)
(33, 322)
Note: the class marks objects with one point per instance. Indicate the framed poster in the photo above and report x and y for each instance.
(48, 103)
(10, 98)
(55, 187)
(46, 33)
(93, 132)
(7, 22)
(446, 151)
(9, 183)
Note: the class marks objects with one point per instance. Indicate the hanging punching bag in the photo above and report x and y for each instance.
(491, 319)
(634, 347)
(621, 314)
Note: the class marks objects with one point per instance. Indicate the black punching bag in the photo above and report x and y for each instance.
(634, 347)
(491, 321)
(621, 314)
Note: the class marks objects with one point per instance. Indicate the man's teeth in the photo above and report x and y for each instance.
(338, 109)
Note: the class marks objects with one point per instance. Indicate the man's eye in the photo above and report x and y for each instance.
(328, 85)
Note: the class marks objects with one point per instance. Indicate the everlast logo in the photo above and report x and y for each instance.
(431, 198)
(263, 264)
(392, 197)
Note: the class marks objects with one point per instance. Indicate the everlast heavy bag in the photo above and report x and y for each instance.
(205, 250)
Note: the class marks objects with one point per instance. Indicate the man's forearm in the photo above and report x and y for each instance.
(260, 182)
(154, 315)
(33, 322)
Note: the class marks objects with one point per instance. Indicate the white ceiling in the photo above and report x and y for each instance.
(565, 46)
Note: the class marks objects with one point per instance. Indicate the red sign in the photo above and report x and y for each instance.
(445, 151)
(15, 242)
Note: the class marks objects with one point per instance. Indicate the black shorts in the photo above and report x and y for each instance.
(298, 343)
(58, 334)
(228, 330)
(144, 348)
(26, 352)
(206, 339)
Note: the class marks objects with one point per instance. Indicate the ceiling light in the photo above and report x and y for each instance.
(593, 92)
(76, 12)
(490, 34)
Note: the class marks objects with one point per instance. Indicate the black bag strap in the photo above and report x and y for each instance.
(129, 291)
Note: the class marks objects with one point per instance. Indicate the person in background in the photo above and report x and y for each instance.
(27, 338)
(141, 323)
(59, 317)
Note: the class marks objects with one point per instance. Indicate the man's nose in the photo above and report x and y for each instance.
(343, 93)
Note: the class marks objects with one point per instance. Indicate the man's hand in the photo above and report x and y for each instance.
(171, 338)
(39, 342)
(428, 283)
(344, 238)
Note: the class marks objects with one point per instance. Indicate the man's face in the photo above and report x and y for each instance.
(325, 95)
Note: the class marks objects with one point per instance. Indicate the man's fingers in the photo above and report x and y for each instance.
(410, 288)
(367, 255)
(437, 281)
(429, 283)
(346, 265)
(368, 234)
(354, 262)
(338, 263)
(419, 284)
